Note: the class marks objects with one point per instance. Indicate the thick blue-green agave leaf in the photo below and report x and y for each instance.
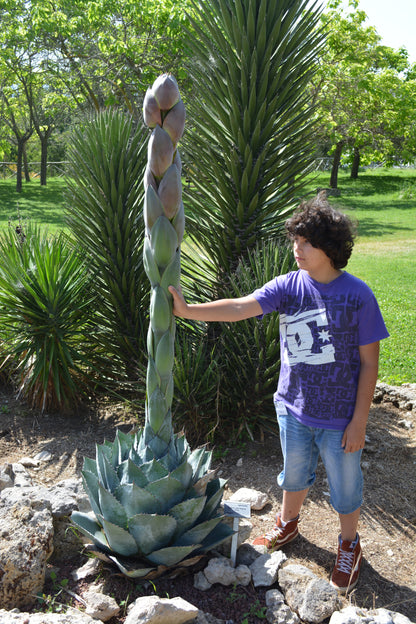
(119, 540)
(183, 473)
(155, 444)
(181, 446)
(200, 460)
(90, 528)
(169, 461)
(200, 486)
(90, 482)
(152, 532)
(106, 473)
(132, 569)
(136, 500)
(187, 513)
(171, 555)
(141, 456)
(90, 465)
(111, 509)
(221, 532)
(214, 491)
(154, 470)
(198, 533)
(124, 443)
(168, 491)
(108, 449)
(129, 472)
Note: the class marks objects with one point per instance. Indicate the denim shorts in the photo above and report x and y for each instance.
(302, 446)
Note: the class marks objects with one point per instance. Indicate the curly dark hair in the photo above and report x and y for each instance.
(325, 228)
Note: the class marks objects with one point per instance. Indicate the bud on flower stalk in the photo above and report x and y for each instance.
(164, 111)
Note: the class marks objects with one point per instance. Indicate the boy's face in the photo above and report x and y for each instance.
(309, 258)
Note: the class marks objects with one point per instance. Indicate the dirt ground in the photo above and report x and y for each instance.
(387, 525)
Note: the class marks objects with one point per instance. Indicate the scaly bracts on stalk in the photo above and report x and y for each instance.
(164, 220)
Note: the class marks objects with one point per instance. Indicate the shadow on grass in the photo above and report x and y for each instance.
(40, 204)
(371, 227)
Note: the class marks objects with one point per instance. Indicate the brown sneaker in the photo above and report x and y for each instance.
(347, 566)
(279, 535)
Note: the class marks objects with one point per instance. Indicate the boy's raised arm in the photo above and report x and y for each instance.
(222, 310)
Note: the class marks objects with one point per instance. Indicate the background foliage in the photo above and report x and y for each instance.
(47, 311)
(265, 101)
(104, 205)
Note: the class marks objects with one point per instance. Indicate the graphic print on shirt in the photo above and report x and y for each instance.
(306, 338)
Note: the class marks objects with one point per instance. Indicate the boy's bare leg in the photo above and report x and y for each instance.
(349, 524)
(292, 503)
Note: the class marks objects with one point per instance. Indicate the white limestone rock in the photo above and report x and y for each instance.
(258, 500)
(266, 568)
(155, 610)
(220, 570)
(99, 605)
(72, 616)
(314, 599)
(26, 543)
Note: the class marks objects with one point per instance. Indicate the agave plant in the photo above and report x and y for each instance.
(154, 500)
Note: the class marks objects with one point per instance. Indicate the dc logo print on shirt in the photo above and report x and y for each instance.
(306, 338)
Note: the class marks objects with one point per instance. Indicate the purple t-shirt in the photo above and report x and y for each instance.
(321, 328)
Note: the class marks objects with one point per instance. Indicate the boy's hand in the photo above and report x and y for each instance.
(179, 303)
(354, 437)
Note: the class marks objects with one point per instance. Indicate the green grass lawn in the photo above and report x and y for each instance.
(43, 205)
(382, 201)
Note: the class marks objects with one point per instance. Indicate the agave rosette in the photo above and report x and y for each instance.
(151, 513)
(155, 502)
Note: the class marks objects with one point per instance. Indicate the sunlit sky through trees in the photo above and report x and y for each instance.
(394, 21)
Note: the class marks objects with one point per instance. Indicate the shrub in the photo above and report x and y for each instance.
(105, 194)
(46, 315)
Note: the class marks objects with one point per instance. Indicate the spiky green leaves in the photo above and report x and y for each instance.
(46, 316)
(107, 158)
(157, 512)
(253, 61)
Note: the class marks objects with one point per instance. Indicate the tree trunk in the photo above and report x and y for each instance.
(25, 165)
(355, 163)
(333, 183)
(44, 159)
(19, 168)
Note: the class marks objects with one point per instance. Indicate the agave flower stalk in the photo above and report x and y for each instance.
(155, 502)
(164, 219)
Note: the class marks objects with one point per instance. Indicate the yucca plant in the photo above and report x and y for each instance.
(46, 314)
(197, 378)
(252, 347)
(156, 502)
(107, 161)
(253, 144)
(248, 156)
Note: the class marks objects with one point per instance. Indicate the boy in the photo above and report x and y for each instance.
(330, 328)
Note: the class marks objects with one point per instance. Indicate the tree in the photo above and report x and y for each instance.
(19, 121)
(358, 89)
(109, 51)
(22, 67)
